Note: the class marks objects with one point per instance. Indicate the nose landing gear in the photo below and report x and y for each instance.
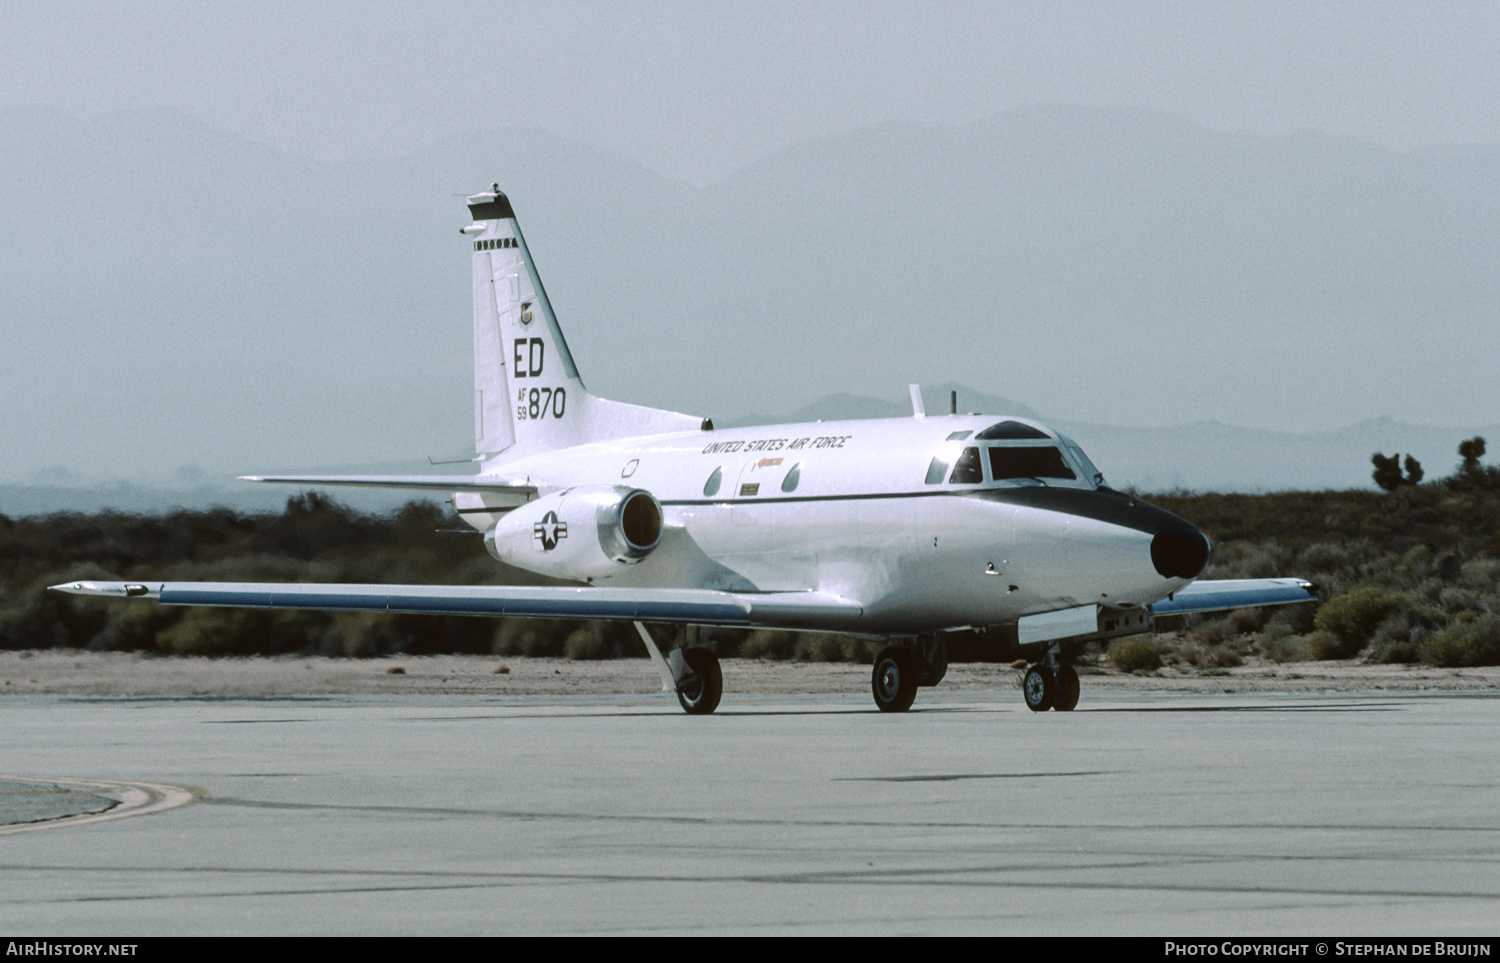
(1051, 685)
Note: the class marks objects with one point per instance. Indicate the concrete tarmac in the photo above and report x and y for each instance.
(1140, 813)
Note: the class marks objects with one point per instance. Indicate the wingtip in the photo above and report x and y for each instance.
(109, 589)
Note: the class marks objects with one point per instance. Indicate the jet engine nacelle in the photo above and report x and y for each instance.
(579, 533)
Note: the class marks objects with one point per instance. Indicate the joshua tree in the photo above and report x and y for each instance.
(1387, 472)
(1470, 451)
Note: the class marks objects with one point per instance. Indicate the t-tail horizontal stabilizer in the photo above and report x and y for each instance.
(441, 483)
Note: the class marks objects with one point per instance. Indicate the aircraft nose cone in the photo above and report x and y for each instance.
(1179, 552)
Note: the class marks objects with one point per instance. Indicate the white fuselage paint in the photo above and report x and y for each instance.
(860, 523)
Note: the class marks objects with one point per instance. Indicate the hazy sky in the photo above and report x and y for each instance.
(696, 90)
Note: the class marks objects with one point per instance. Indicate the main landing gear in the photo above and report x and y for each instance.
(1051, 684)
(699, 680)
(692, 672)
(901, 669)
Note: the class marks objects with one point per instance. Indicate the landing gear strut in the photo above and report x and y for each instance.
(1051, 684)
(692, 672)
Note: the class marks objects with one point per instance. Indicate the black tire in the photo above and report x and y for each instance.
(701, 696)
(894, 680)
(1068, 689)
(1039, 688)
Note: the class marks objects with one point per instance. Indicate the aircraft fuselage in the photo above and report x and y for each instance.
(850, 509)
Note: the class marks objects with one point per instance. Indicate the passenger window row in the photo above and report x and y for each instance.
(789, 482)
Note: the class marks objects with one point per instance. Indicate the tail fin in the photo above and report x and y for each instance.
(527, 392)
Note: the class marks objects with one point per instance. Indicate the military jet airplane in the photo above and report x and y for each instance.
(900, 529)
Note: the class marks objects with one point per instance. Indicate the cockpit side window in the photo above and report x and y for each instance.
(1010, 431)
(1094, 474)
(937, 471)
(1082, 461)
(968, 470)
(1030, 462)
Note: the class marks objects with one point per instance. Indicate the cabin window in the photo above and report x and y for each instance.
(968, 470)
(937, 471)
(711, 487)
(789, 483)
(1010, 431)
(1028, 463)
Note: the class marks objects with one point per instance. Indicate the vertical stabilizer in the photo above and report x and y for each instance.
(528, 396)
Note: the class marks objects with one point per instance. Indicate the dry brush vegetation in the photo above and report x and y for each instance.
(1410, 575)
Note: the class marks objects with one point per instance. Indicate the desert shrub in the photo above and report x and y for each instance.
(1455, 599)
(1345, 624)
(1392, 641)
(1274, 630)
(47, 620)
(587, 643)
(725, 642)
(1220, 657)
(364, 635)
(134, 627)
(1213, 632)
(1248, 620)
(1467, 641)
(1322, 645)
(1328, 559)
(1291, 619)
(769, 644)
(831, 647)
(1288, 648)
(1482, 574)
(210, 631)
(1135, 654)
(1212, 656)
(1399, 637)
(535, 637)
(1248, 560)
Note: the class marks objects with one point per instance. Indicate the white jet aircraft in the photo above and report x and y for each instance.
(903, 529)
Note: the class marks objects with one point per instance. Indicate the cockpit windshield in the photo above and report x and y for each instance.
(1029, 462)
(1024, 455)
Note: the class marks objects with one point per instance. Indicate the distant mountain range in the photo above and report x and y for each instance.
(172, 294)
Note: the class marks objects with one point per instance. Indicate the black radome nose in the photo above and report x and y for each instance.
(1179, 552)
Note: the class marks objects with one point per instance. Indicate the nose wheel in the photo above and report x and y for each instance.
(1046, 688)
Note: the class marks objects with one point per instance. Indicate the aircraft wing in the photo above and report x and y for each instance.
(442, 483)
(789, 610)
(1225, 594)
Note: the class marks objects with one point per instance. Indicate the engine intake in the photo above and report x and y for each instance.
(630, 528)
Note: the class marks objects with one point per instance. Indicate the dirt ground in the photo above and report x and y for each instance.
(134, 674)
